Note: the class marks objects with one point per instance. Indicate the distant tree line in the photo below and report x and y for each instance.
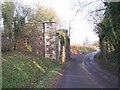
(83, 48)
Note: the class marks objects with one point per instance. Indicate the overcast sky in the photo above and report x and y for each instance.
(80, 26)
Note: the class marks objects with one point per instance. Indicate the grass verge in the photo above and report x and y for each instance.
(51, 79)
(24, 71)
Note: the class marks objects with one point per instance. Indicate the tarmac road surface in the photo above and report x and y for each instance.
(84, 72)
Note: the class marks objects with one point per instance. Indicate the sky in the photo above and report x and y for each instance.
(80, 26)
(66, 11)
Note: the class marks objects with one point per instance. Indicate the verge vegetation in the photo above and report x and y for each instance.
(109, 64)
(22, 71)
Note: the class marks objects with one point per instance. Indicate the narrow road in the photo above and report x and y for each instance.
(84, 72)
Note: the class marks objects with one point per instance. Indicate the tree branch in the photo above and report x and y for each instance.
(98, 10)
(80, 9)
(88, 4)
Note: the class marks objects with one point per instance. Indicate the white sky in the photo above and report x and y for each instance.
(81, 28)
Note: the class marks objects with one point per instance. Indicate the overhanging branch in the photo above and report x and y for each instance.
(98, 10)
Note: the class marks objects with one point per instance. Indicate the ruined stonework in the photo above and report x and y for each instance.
(50, 46)
(47, 42)
(50, 40)
(64, 45)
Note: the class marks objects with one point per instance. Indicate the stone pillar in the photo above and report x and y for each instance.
(63, 54)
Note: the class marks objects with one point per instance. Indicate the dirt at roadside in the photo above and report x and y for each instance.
(102, 65)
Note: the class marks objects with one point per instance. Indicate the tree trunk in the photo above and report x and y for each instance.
(103, 48)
